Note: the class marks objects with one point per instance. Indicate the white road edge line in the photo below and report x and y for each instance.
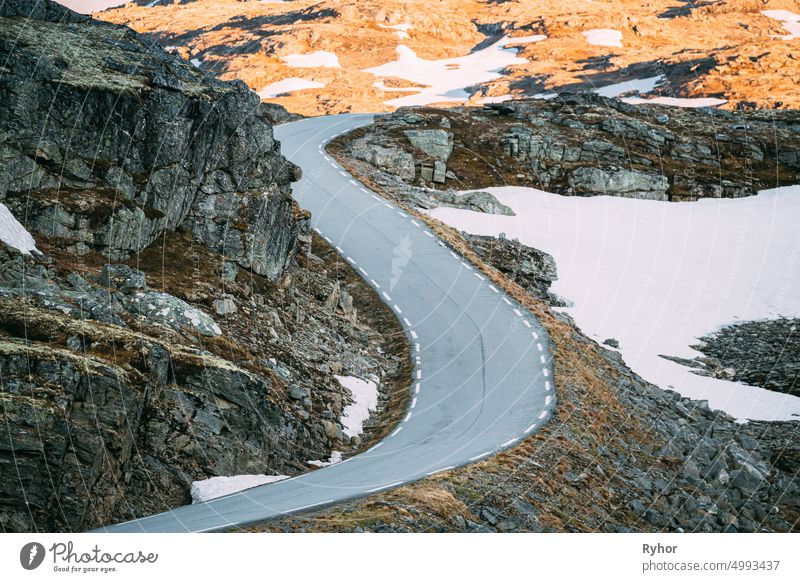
(509, 442)
(530, 428)
(409, 416)
(450, 468)
(384, 487)
(542, 414)
(309, 506)
(417, 388)
(482, 455)
(413, 402)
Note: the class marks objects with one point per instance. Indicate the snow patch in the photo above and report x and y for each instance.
(603, 37)
(196, 62)
(639, 85)
(677, 101)
(287, 86)
(448, 79)
(90, 6)
(401, 30)
(365, 401)
(14, 234)
(790, 20)
(657, 275)
(315, 59)
(336, 457)
(214, 487)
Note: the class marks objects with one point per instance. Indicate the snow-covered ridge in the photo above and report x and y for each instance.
(656, 276)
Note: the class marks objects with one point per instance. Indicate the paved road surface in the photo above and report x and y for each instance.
(482, 375)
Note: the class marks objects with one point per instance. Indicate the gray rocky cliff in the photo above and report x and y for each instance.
(178, 307)
(107, 141)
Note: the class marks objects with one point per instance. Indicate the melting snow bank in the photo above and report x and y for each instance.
(336, 457)
(14, 234)
(365, 401)
(448, 79)
(603, 37)
(315, 59)
(790, 20)
(214, 487)
(287, 86)
(677, 101)
(657, 276)
(639, 85)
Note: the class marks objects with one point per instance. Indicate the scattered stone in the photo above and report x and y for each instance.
(224, 306)
(122, 277)
(436, 143)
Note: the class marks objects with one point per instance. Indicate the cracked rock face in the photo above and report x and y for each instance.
(107, 141)
(149, 344)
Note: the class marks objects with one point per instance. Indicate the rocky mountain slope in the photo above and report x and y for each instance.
(178, 320)
(739, 51)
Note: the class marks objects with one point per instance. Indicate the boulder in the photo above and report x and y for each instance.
(390, 159)
(588, 180)
(436, 143)
(168, 310)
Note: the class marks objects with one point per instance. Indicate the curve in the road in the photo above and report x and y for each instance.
(482, 375)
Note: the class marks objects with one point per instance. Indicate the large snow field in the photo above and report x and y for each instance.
(656, 276)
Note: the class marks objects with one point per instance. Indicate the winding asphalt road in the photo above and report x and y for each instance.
(482, 374)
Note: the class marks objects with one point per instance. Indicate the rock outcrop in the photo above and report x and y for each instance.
(532, 269)
(764, 353)
(586, 145)
(108, 141)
